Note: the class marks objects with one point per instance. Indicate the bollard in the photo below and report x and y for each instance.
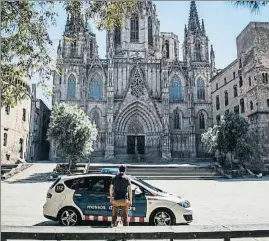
(227, 239)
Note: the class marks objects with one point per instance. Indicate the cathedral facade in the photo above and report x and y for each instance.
(144, 100)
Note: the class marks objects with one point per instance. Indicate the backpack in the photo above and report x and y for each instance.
(120, 186)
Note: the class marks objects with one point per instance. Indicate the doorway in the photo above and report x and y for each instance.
(136, 145)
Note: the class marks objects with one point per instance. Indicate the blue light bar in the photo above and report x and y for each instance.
(109, 171)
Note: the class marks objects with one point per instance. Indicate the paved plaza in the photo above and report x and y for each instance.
(214, 202)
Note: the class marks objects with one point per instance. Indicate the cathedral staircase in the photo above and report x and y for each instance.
(163, 172)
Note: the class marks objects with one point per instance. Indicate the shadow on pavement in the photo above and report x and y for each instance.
(34, 178)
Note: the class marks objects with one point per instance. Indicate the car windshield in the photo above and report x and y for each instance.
(148, 185)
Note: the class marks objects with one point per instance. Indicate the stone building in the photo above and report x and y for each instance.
(38, 143)
(15, 129)
(145, 101)
(243, 86)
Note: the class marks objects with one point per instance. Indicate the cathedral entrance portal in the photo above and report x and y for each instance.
(136, 145)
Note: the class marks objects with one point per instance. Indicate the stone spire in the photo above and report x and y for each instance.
(203, 28)
(194, 24)
(74, 20)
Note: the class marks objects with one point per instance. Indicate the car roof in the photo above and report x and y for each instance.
(90, 175)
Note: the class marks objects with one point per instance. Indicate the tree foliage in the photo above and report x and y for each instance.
(71, 131)
(234, 137)
(254, 6)
(26, 44)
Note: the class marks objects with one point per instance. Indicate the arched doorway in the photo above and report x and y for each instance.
(138, 131)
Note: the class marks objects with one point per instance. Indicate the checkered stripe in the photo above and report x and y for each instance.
(109, 219)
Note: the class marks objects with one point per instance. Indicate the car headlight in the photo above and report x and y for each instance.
(184, 204)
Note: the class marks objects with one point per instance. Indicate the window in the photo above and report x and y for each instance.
(200, 89)
(218, 119)
(227, 112)
(21, 148)
(24, 114)
(134, 29)
(217, 86)
(236, 109)
(150, 36)
(71, 87)
(201, 121)
(249, 81)
(265, 78)
(217, 102)
(251, 105)
(225, 80)
(91, 49)
(5, 139)
(240, 81)
(242, 105)
(235, 91)
(197, 51)
(117, 36)
(96, 88)
(167, 49)
(95, 184)
(240, 63)
(267, 102)
(226, 97)
(234, 75)
(96, 119)
(7, 109)
(175, 91)
(177, 120)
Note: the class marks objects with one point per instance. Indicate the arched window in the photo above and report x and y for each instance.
(71, 87)
(197, 51)
(95, 88)
(117, 35)
(202, 121)
(177, 120)
(73, 47)
(150, 35)
(96, 119)
(226, 98)
(167, 48)
(251, 105)
(91, 49)
(5, 139)
(134, 29)
(175, 88)
(200, 89)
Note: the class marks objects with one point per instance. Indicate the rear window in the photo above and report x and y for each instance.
(55, 182)
(75, 183)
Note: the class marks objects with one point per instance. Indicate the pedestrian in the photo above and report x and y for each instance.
(120, 196)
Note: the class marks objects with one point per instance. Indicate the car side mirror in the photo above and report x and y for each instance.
(138, 191)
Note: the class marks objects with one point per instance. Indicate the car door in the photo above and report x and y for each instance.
(90, 197)
(139, 208)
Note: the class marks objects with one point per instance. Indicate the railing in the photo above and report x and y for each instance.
(191, 232)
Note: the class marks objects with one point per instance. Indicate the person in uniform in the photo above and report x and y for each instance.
(120, 196)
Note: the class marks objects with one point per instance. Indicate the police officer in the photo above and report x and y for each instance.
(120, 196)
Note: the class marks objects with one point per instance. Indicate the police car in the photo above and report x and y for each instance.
(73, 199)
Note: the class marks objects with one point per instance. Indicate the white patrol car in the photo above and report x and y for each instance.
(72, 199)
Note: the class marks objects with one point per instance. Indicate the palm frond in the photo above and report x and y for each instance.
(254, 6)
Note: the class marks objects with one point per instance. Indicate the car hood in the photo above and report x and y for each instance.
(170, 196)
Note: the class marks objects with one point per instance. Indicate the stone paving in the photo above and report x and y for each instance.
(214, 202)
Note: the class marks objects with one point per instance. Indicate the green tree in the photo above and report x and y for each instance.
(26, 44)
(210, 139)
(254, 6)
(72, 132)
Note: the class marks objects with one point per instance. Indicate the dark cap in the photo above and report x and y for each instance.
(122, 168)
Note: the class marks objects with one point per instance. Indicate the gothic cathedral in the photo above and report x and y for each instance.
(145, 102)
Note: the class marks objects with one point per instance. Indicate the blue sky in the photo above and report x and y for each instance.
(223, 22)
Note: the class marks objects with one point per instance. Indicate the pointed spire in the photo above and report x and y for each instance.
(59, 50)
(194, 24)
(203, 27)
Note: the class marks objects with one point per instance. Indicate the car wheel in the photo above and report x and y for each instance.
(162, 217)
(69, 217)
